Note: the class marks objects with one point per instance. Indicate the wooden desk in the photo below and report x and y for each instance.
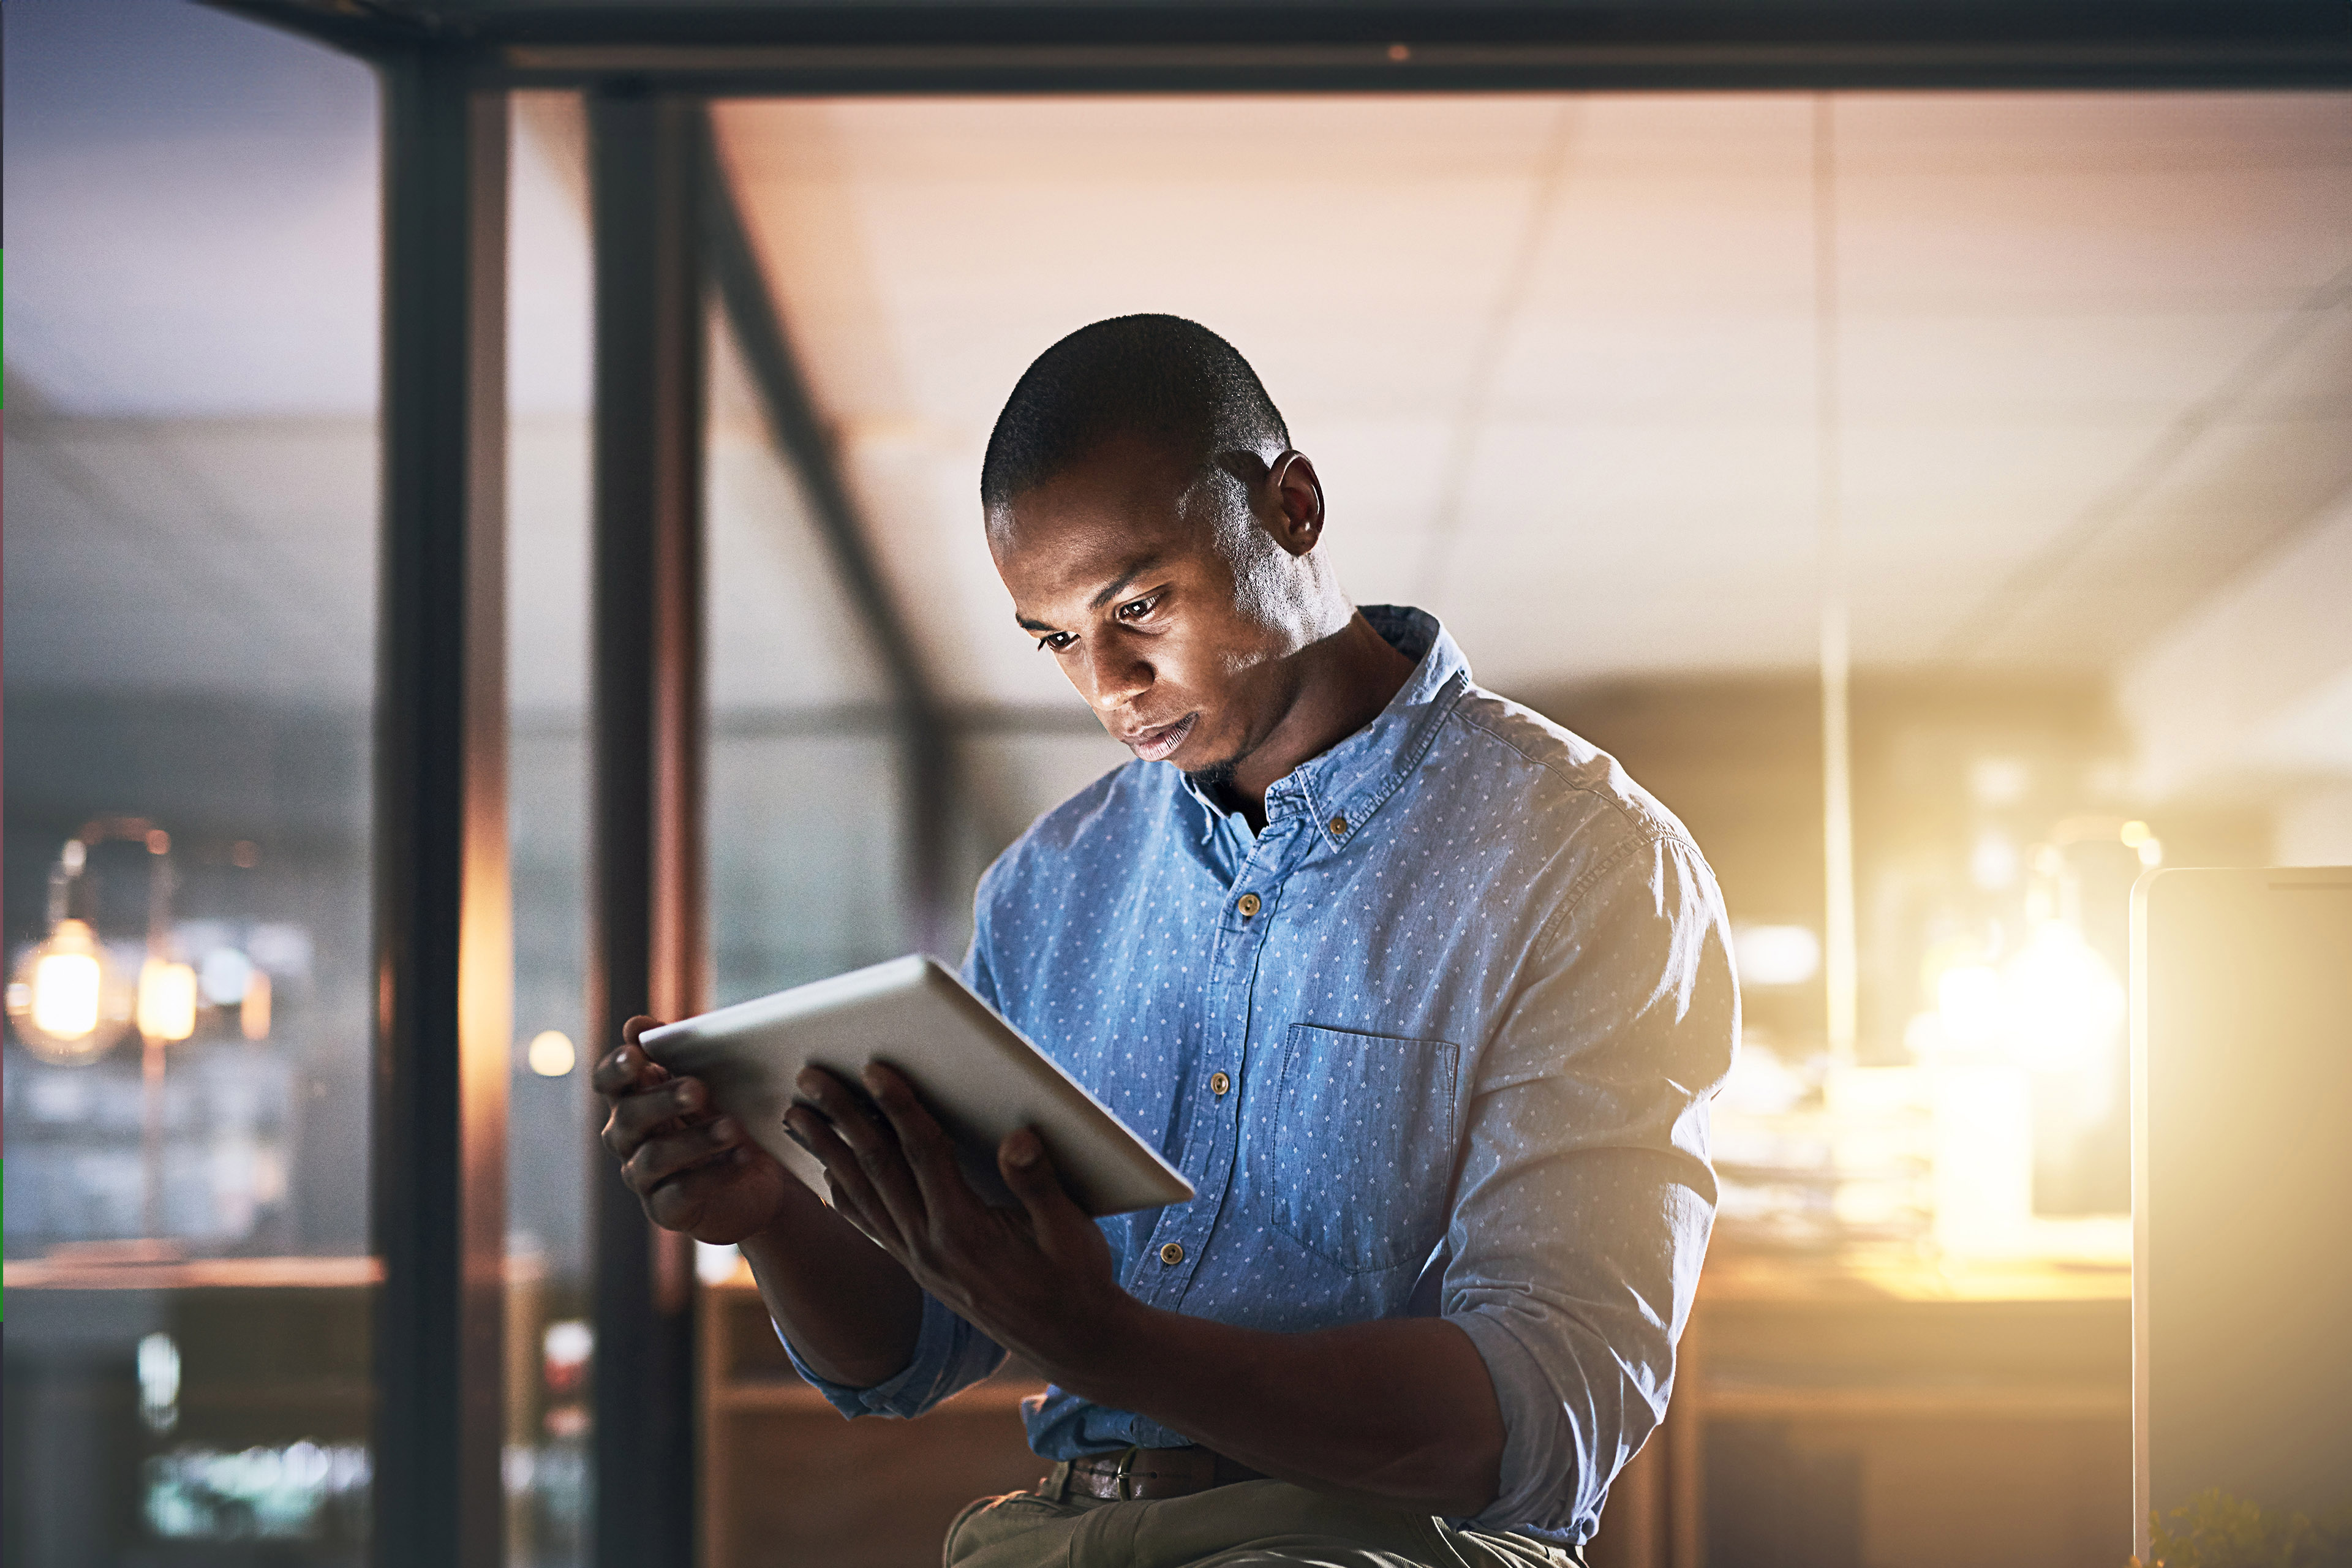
(787, 1481)
(2022, 1368)
(1852, 1351)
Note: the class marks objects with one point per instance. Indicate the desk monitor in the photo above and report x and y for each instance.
(2242, 1189)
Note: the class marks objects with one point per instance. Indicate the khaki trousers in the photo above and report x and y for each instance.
(1250, 1524)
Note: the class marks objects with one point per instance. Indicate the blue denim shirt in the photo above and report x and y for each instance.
(1469, 1036)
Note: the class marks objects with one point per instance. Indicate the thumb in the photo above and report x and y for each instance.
(1029, 1170)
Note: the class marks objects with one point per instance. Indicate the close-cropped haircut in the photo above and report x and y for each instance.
(1170, 381)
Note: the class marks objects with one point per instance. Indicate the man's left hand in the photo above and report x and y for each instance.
(1037, 1280)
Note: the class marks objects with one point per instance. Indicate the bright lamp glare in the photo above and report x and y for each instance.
(1968, 1002)
(65, 995)
(2065, 1003)
(550, 1054)
(1776, 955)
(167, 1000)
(64, 998)
(2054, 1005)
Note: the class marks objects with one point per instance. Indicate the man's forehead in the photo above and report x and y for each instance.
(1068, 536)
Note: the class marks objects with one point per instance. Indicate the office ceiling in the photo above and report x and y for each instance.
(1555, 356)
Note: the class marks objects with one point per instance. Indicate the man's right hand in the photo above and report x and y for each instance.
(694, 1172)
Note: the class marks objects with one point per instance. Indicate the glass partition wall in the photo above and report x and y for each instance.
(806, 805)
(191, 589)
(548, 1341)
(191, 502)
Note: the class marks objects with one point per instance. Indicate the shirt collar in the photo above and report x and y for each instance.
(1342, 787)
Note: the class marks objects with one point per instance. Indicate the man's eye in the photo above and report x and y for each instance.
(1136, 609)
(1056, 641)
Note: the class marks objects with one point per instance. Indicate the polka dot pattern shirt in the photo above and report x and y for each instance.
(1438, 1041)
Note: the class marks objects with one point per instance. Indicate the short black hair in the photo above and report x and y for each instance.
(1171, 381)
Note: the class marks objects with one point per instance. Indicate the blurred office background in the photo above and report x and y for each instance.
(1559, 362)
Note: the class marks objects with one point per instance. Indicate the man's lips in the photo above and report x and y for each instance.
(1158, 742)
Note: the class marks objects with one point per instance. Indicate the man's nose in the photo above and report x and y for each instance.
(1114, 677)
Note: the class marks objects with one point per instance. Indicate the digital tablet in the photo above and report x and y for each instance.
(979, 1077)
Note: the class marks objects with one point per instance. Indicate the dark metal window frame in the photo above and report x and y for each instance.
(443, 940)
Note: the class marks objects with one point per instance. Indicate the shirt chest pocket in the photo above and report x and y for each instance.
(1363, 1145)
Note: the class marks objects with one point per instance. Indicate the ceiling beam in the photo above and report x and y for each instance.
(802, 441)
(699, 46)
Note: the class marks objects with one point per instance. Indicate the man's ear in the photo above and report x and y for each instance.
(1295, 519)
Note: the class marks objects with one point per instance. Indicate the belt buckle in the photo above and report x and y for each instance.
(1122, 1481)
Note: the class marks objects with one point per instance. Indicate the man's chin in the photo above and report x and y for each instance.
(1213, 776)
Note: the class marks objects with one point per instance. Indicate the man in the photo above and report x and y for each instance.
(1420, 990)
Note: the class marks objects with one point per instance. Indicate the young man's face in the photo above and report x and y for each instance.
(1163, 597)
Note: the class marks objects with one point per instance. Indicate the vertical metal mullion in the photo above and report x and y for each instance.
(648, 918)
(444, 942)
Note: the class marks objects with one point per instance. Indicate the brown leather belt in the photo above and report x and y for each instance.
(1145, 1475)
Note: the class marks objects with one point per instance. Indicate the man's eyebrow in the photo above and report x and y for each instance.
(1135, 569)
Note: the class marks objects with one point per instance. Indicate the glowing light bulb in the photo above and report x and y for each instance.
(551, 1053)
(66, 984)
(167, 1000)
(59, 996)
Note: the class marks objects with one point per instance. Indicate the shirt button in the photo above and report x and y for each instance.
(1171, 1255)
(1219, 1083)
(1248, 903)
(1339, 828)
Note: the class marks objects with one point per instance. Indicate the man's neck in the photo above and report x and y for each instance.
(1347, 680)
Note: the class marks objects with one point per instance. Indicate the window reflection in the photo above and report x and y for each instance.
(190, 493)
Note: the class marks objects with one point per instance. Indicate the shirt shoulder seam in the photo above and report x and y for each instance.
(1647, 827)
(1646, 831)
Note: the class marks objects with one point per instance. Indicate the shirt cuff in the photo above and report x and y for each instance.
(950, 1355)
(1540, 1453)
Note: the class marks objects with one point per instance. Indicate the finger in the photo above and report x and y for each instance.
(1028, 1169)
(637, 1116)
(657, 1160)
(930, 1152)
(853, 1193)
(625, 1071)
(636, 1026)
(875, 1144)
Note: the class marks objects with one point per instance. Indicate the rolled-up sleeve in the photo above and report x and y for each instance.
(950, 1355)
(1585, 1198)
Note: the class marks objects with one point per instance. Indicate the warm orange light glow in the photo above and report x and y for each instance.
(66, 983)
(60, 997)
(167, 1000)
(551, 1053)
(2054, 1005)
(253, 1013)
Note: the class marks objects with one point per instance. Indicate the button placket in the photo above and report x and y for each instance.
(1159, 1278)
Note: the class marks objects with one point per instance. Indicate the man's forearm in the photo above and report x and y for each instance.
(846, 1305)
(1402, 1412)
